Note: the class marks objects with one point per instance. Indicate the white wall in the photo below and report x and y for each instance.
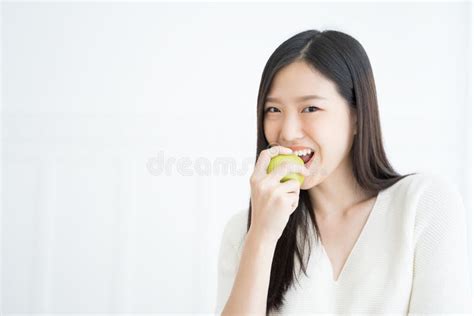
(94, 93)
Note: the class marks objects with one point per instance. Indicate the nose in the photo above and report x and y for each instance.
(291, 129)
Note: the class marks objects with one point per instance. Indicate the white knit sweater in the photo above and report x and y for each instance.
(411, 257)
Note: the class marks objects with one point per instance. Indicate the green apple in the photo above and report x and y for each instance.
(292, 158)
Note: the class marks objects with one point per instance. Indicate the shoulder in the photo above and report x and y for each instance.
(230, 253)
(425, 199)
(432, 200)
(235, 229)
(423, 186)
(438, 196)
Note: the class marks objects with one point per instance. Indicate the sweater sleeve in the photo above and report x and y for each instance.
(228, 259)
(441, 277)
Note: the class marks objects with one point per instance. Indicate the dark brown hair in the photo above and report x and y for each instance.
(343, 60)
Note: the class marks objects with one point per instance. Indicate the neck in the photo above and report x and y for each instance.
(338, 194)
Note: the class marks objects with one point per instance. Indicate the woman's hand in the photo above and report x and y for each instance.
(273, 202)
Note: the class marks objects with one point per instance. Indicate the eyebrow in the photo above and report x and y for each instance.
(302, 98)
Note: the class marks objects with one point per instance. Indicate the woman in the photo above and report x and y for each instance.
(380, 242)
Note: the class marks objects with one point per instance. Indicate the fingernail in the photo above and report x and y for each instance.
(273, 150)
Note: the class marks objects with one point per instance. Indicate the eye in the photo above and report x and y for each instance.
(269, 108)
(315, 108)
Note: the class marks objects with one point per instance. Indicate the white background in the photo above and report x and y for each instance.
(93, 94)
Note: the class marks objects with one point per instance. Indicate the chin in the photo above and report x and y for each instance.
(308, 184)
(313, 181)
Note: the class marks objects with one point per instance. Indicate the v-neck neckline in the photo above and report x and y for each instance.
(356, 244)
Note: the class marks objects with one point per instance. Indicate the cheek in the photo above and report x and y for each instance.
(318, 133)
(269, 130)
(330, 130)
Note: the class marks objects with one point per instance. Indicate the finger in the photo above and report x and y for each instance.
(294, 200)
(294, 205)
(288, 197)
(290, 186)
(285, 168)
(264, 159)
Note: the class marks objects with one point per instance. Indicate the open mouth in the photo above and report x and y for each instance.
(305, 155)
(309, 160)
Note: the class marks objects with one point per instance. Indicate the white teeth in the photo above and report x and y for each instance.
(302, 152)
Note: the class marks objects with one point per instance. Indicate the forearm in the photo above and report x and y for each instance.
(250, 289)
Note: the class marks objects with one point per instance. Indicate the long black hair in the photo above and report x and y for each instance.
(343, 60)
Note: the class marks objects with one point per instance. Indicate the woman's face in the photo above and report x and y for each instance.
(326, 124)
